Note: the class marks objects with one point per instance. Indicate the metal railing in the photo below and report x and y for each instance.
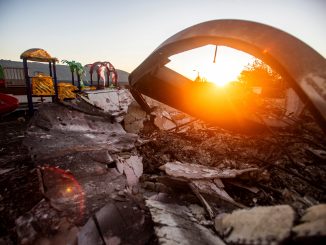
(14, 77)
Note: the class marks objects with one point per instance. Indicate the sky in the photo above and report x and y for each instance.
(125, 32)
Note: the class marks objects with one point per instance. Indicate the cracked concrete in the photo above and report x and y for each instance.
(175, 224)
(312, 223)
(265, 225)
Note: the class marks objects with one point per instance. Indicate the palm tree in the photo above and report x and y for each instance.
(75, 67)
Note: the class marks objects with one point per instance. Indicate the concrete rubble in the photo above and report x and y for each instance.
(206, 180)
(134, 119)
(115, 102)
(166, 117)
(175, 224)
(35, 226)
(109, 173)
(268, 225)
(195, 171)
(312, 224)
(117, 223)
(84, 160)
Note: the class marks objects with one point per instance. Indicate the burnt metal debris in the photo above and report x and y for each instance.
(299, 64)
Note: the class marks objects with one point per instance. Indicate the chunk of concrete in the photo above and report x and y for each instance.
(195, 171)
(57, 131)
(132, 168)
(262, 225)
(134, 119)
(313, 224)
(164, 121)
(175, 224)
(40, 221)
(114, 101)
(117, 223)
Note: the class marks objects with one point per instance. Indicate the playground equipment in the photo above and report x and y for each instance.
(12, 77)
(48, 83)
(43, 85)
(66, 91)
(101, 68)
(75, 67)
(7, 103)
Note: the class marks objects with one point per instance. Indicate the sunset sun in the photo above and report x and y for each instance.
(199, 63)
(220, 74)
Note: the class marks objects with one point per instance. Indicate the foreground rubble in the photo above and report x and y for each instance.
(166, 178)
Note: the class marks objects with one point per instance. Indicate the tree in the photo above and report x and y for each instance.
(259, 74)
(75, 67)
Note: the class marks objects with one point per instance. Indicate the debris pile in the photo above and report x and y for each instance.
(123, 176)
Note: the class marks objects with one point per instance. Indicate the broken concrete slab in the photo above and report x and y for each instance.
(210, 188)
(66, 234)
(262, 225)
(79, 151)
(175, 224)
(132, 167)
(82, 104)
(76, 194)
(117, 223)
(314, 212)
(164, 123)
(166, 117)
(134, 119)
(41, 221)
(312, 225)
(113, 101)
(196, 171)
(163, 119)
(57, 131)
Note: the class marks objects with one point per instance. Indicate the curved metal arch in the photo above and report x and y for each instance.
(302, 66)
(97, 66)
(110, 69)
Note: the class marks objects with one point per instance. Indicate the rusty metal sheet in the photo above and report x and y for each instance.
(302, 66)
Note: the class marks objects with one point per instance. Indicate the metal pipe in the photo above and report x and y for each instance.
(214, 60)
(55, 81)
(98, 80)
(73, 78)
(28, 89)
(50, 68)
(78, 80)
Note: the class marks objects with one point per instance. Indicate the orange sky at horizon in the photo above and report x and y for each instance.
(125, 32)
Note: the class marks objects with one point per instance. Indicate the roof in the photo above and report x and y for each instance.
(37, 54)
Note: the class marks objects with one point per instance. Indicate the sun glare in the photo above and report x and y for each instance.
(199, 62)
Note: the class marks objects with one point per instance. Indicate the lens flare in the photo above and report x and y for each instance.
(72, 186)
